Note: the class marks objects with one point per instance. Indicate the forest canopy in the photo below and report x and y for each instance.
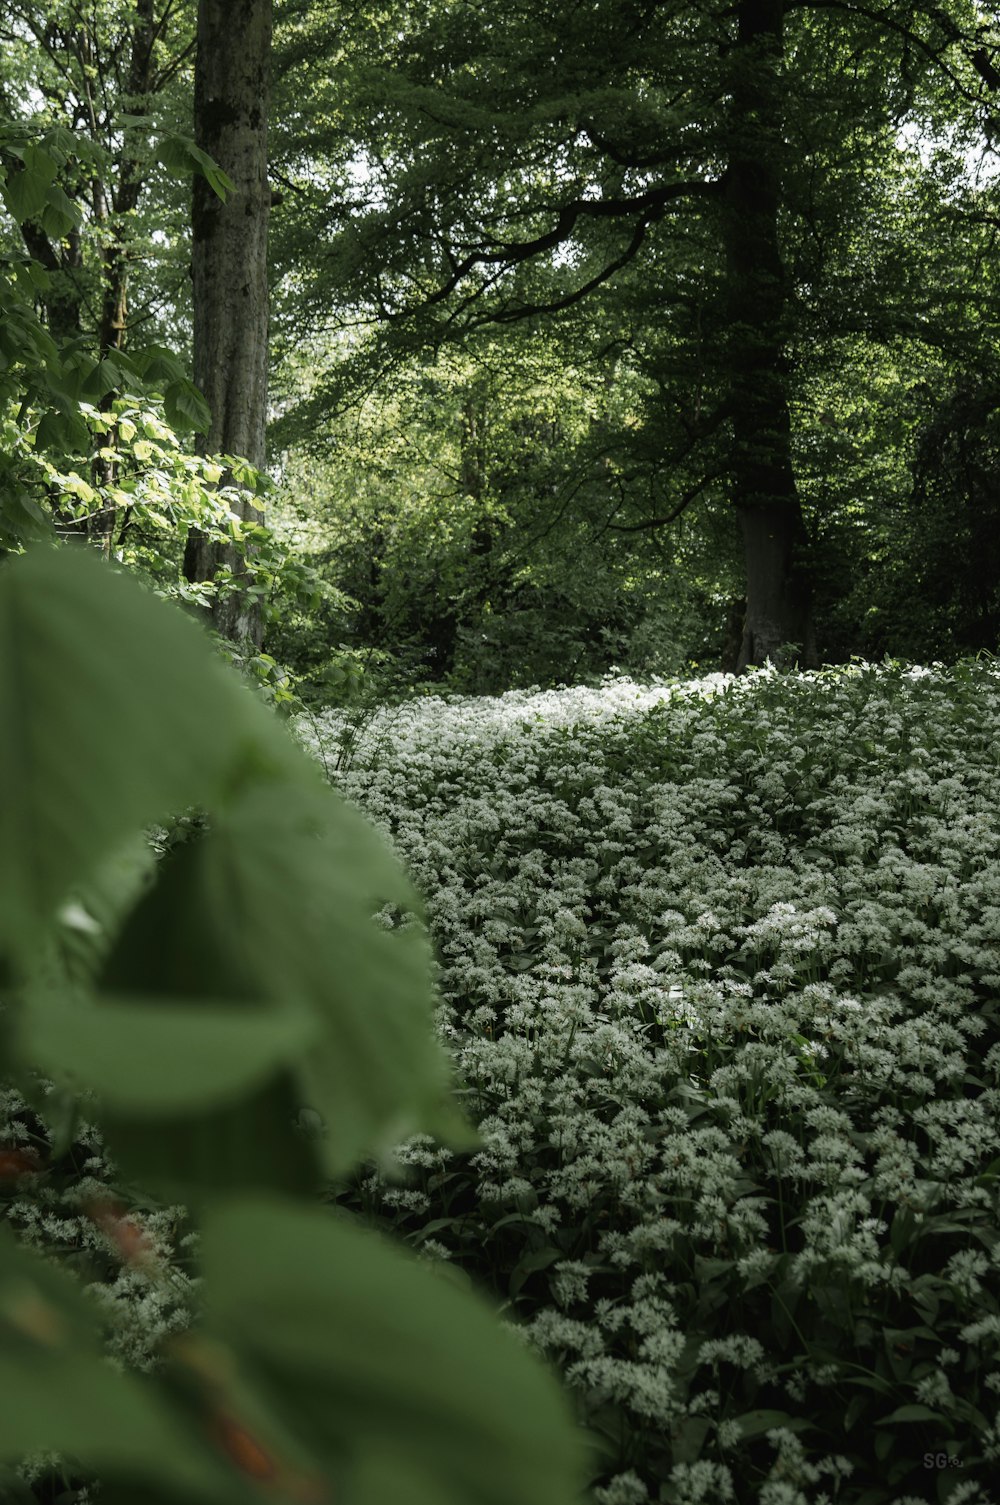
(643, 336)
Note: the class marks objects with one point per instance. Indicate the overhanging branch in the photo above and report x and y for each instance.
(648, 206)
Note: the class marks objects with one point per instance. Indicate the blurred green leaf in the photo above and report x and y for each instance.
(248, 1146)
(297, 875)
(362, 1352)
(149, 1058)
(113, 713)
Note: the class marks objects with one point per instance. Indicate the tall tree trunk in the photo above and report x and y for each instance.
(229, 266)
(763, 488)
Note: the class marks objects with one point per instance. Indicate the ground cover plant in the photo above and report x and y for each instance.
(719, 966)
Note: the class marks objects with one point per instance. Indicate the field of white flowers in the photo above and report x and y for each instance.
(720, 970)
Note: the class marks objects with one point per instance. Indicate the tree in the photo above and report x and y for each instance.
(762, 481)
(229, 270)
(667, 161)
(463, 508)
(106, 76)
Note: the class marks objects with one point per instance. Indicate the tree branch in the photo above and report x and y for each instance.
(661, 522)
(511, 253)
(881, 18)
(529, 310)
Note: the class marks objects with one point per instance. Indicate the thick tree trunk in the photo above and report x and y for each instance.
(777, 625)
(229, 265)
(763, 488)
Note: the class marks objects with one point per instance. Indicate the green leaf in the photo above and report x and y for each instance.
(61, 144)
(362, 1352)
(855, 1407)
(248, 1146)
(59, 214)
(107, 376)
(297, 875)
(185, 407)
(75, 485)
(531, 1263)
(689, 1438)
(220, 182)
(25, 194)
(149, 1058)
(159, 365)
(267, 912)
(113, 714)
(180, 154)
(26, 522)
(391, 1475)
(912, 1413)
(176, 946)
(38, 162)
(755, 1423)
(61, 433)
(60, 1393)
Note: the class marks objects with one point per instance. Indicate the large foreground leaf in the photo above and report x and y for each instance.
(149, 1058)
(368, 1357)
(297, 876)
(250, 1145)
(113, 714)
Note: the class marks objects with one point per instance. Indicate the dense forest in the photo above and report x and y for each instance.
(499, 595)
(634, 336)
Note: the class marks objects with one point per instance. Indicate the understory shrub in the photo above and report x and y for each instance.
(720, 968)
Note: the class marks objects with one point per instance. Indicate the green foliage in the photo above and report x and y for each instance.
(180, 154)
(112, 85)
(93, 443)
(33, 156)
(934, 591)
(210, 1001)
(509, 164)
(464, 521)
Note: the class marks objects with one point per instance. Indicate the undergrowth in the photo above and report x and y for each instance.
(720, 969)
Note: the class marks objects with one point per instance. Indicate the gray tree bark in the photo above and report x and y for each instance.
(229, 267)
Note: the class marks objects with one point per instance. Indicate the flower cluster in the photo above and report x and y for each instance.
(134, 1267)
(720, 966)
